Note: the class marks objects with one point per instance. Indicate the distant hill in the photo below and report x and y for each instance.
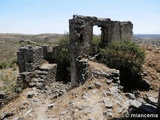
(10, 43)
(148, 39)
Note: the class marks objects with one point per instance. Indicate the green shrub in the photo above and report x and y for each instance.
(13, 62)
(96, 41)
(14, 66)
(3, 64)
(64, 41)
(128, 58)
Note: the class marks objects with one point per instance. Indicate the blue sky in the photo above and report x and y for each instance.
(51, 16)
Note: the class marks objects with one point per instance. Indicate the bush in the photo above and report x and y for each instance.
(14, 66)
(95, 43)
(64, 41)
(3, 64)
(128, 58)
(13, 62)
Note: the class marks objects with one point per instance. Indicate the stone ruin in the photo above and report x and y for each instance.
(33, 70)
(81, 36)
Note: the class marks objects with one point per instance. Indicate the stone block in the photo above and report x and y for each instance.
(2, 95)
(50, 70)
(29, 58)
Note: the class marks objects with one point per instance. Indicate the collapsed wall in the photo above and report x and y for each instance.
(81, 36)
(33, 72)
(29, 59)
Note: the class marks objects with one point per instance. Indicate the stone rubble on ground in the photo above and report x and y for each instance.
(99, 95)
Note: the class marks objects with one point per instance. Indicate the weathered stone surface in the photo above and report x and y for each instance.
(50, 106)
(32, 72)
(112, 75)
(29, 58)
(109, 81)
(97, 84)
(51, 70)
(135, 103)
(81, 35)
(23, 79)
(83, 65)
(108, 103)
(28, 112)
(5, 115)
(143, 109)
(145, 84)
(91, 118)
(30, 94)
(90, 86)
(152, 100)
(114, 91)
(2, 95)
(130, 96)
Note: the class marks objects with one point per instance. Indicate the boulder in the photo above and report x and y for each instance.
(30, 94)
(5, 115)
(97, 84)
(145, 85)
(152, 100)
(130, 96)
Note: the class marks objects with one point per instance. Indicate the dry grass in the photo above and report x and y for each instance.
(8, 79)
(152, 67)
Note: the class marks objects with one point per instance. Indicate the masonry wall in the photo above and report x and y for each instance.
(81, 35)
(29, 58)
(33, 72)
(80, 43)
(126, 30)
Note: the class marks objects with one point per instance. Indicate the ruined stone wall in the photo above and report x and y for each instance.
(115, 30)
(80, 43)
(48, 72)
(126, 30)
(50, 52)
(33, 72)
(81, 35)
(29, 58)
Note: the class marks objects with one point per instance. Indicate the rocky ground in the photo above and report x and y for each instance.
(100, 98)
(151, 66)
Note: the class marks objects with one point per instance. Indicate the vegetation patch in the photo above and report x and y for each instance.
(127, 57)
(3, 64)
